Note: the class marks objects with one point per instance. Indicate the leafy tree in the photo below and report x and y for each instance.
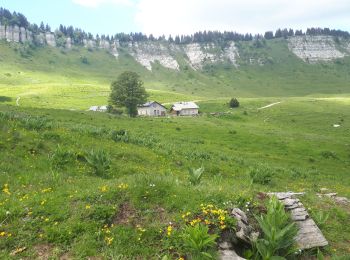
(128, 91)
(234, 103)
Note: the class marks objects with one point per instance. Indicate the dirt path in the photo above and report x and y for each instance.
(270, 105)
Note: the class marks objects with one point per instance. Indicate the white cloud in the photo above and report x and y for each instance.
(255, 16)
(97, 3)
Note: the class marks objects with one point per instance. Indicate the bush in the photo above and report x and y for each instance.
(234, 103)
(329, 154)
(260, 174)
(198, 242)
(60, 158)
(278, 232)
(84, 60)
(120, 136)
(195, 175)
(113, 110)
(36, 123)
(99, 161)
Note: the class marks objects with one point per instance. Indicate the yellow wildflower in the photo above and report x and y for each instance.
(6, 189)
(169, 230)
(104, 188)
(88, 207)
(109, 240)
(123, 186)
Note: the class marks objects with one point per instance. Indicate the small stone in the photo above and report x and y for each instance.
(342, 200)
(323, 189)
(239, 215)
(229, 255)
(330, 195)
(225, 245)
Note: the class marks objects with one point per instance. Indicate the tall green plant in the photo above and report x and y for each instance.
(195, 175)
(99, 161)
(277, 232)
(198, 241)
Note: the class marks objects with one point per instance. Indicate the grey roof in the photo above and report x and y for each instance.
(184, 105)
(149, 103)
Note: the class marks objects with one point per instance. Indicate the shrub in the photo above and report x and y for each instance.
(320, 217)
(329, 154)
(260, 174)
(234, 103)
(60, 158)
(120, 136)
(277, 232)
(84, 60)
(113, 110)
(36, 123)
(99, 161)
(195, 175)
(198, 241)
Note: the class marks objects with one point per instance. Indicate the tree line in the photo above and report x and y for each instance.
(78, 35)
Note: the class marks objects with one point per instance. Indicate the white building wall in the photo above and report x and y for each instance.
(189, 112)
(156, 110)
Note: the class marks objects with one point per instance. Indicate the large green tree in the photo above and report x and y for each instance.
(128, 91)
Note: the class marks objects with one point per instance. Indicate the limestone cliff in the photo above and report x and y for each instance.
(198, 55)
(313, 49)
(147, 53)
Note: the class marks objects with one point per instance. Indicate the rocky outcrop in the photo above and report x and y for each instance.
(231, 52)
(14, 34)
(40, 38)
(313, 49)
(68, 43)
(9, 34)
(89, 43)
(104, 45)
(114, 49)
(23, 35)
(226, 252)
(2, 32)
(198, 55)
(147, 53)
(50, 39)
(309, 235)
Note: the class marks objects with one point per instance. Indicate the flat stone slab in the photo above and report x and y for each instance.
(229, 254)
(309, 235)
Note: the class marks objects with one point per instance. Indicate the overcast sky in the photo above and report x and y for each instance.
(185, 16)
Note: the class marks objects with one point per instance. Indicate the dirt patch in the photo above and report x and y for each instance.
(43, 251)
(126, 214)
(161, 215)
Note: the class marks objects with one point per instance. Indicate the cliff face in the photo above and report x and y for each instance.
(14, 34)
(317, 48)
(310, 49)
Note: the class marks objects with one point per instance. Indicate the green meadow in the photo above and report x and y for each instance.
(56, 204)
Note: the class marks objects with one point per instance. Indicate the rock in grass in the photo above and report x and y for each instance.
(309, 235)
(229, 254)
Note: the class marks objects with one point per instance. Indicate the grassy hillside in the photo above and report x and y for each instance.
(56, 202)
(50, 77)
